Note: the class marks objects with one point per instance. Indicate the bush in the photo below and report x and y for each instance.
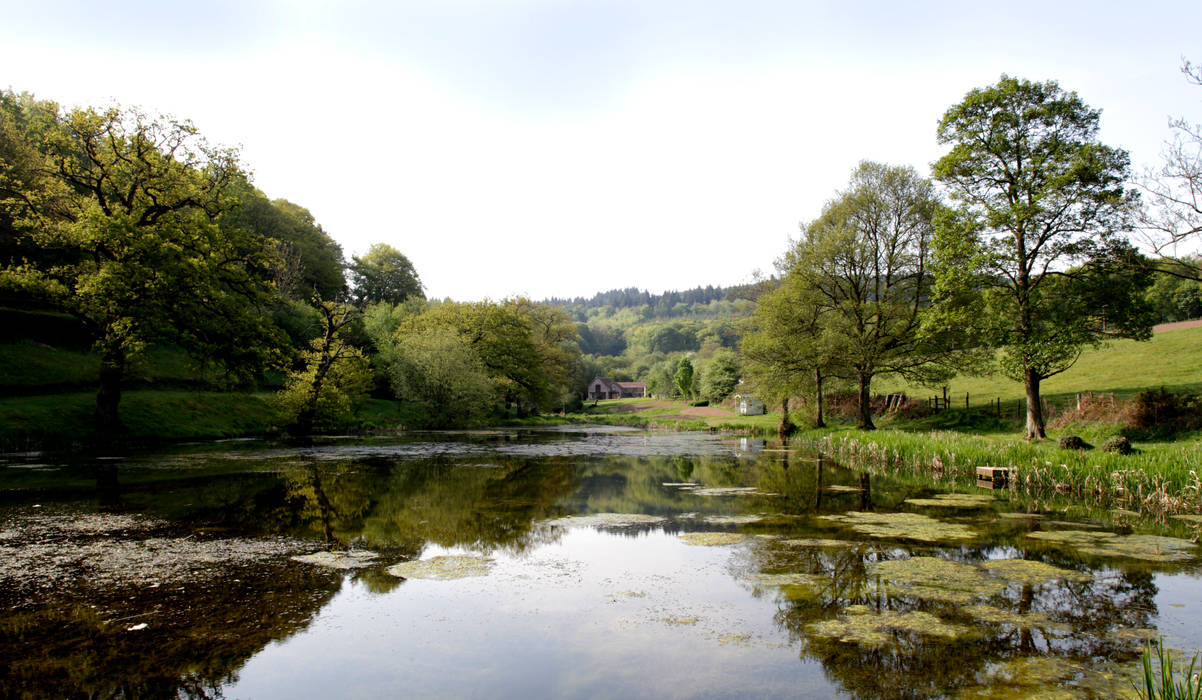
(1119, 445)
(1161, 412)
(1073, 442)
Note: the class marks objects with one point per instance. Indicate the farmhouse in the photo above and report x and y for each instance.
(602, 388)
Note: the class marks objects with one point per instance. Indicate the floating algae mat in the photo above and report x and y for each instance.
(860, 626)
(998, 616)
(733, 519)
(819, 542)
(1032, 573)
(443, 568)
(339, 560)
(905, 526)
(936, 578)
(954, 500)
(608, 520)
(840, 488)
(712, 539)
(731, 491)
(1108, 544)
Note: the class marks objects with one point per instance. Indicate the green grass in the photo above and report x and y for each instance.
(1172, 359)
(64, 420)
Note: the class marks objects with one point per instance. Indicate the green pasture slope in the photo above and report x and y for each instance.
(49, 376)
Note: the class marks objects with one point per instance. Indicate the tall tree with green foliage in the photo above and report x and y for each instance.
(383, 273)
(1032, 258)
(333, 375)
(684, 377)
(865, 264)
(123, 214)
(786, 351)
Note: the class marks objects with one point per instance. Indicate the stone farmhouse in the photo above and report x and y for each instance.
(602, 388)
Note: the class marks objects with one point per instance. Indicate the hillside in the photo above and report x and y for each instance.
(1171, 359)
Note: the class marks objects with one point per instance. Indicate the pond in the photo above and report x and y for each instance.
(580, 562)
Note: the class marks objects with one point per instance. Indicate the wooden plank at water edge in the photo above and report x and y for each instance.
(992, 477)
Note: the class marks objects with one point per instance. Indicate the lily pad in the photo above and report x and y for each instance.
(339, 560)
(1032, 573)
(443, 568)
(938, 579)
(953, 500)
(1108, 544)
(712, 539)
(907, 526)
(1020, 516)
(874, 630)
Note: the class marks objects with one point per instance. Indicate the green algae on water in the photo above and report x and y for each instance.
(873, 629)
(712, 539)
(954, 500)
(820, 543)
(907, 526)
(1108, 544)
(935, 578)
(731, 491)
(443, 568)
(840, 488)
(1032, 573)
(608, 520)
(998, 616)
(339, 559)
(733, 519)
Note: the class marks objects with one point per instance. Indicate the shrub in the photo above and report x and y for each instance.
(1161, 412)
(1119, 445)
(1073, 442)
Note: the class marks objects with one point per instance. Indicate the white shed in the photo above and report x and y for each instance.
(750, 405)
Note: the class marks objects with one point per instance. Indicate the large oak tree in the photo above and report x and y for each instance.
(1032, 258)
(121, 211)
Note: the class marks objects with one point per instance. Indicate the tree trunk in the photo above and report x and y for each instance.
(1035, 428)
(818, 422)
(866, 403)
(786, 427)
(108, 398)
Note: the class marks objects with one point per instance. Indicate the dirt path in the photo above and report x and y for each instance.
(1174, 326)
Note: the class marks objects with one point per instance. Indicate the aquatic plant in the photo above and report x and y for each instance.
(863, 627)
(1032, 573)
(903, 526)
(443, 568)
(1163, 683)
(712, 539)
(954, 500)
(936, 578)
(339, 560)
(1108, 544)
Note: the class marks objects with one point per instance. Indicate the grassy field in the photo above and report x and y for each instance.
(1172, 359)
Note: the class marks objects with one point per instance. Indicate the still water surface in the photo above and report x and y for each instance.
(600, 562)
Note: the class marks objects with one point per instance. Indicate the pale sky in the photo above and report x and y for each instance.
(563, 147)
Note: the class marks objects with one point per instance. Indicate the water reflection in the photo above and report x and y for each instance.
(932, 613)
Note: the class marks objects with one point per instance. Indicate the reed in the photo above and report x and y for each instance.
(1160, 681)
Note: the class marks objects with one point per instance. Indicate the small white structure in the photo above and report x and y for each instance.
(749, 405)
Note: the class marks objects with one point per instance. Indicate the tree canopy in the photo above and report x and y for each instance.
(122, 210)
(384, 274)
(1031, 258)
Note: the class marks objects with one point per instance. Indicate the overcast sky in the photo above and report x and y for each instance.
(561, 148)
